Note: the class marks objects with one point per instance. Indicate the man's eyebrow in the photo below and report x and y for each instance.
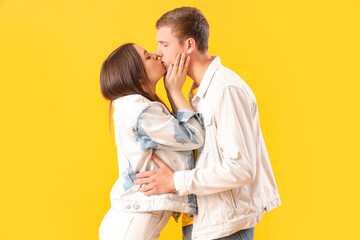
(162, 42)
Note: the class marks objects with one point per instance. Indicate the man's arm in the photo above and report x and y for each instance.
(237, 145)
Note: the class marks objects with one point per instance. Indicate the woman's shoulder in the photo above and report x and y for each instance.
(138, 101)
(129, 99)
(127, 108)
(131, 103)
(134, 105)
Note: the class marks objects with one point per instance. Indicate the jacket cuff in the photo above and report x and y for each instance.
(179, 182)
(184, 115)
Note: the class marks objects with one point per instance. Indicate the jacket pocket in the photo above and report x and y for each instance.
(233, 196)
(210, 140)
(208, 133)
(228, 208)
(227, 198)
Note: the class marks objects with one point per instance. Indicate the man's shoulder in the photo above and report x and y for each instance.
(225, 78)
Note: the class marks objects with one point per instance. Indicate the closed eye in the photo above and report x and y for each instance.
(146, 53)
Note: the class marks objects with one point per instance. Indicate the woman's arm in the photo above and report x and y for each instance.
(156, 128)
(173, 106)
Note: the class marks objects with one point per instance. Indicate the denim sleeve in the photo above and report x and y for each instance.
(156, 128)
(184, 115)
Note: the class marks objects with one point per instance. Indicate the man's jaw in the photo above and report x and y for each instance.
(166, 65)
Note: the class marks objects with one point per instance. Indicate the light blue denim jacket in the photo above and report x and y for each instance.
(143, 127)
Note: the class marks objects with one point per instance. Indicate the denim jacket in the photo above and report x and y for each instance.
(143, 127)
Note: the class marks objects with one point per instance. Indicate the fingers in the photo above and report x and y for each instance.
(140, 181)
(145, 188)
(183, 64)
(158, 161)
(171, 66)
(149, 190)
(146, 174)
(150, 193)
(176, 64)
(187, 63)
(182, 61)
(169, 71)
(180, 66)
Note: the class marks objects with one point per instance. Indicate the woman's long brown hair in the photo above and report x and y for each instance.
(121, 73)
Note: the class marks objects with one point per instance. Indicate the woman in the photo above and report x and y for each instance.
(143, 126)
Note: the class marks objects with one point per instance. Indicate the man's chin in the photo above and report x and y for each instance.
(166, 65)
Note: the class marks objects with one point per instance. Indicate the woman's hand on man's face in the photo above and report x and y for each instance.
(176, 73)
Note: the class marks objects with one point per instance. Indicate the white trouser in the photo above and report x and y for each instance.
(118, 225)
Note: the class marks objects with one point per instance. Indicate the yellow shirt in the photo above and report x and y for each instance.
(186, 219)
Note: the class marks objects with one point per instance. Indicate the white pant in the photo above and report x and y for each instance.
(118, 225)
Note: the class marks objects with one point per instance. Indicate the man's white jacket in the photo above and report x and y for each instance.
(233, 178)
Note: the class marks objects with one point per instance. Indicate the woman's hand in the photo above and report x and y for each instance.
(174, 80)
(176, 74)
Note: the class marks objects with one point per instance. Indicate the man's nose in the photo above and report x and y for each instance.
(158, 53)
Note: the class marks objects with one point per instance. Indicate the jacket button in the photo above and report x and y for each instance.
(136, 206)
(127, 206)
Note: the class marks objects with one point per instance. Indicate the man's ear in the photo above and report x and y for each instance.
(190, 46)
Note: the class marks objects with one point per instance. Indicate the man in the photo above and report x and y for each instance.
(233, 179)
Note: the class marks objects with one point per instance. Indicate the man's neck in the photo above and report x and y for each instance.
(199, 63)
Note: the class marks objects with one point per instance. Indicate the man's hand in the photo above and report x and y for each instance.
(159, 180)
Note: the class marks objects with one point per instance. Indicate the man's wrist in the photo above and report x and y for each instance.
(172, 183)
(179, 183)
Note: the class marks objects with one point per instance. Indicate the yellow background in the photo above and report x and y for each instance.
(58, 160)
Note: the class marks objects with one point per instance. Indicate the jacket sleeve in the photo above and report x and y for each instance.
(236, 143)
(156, 128)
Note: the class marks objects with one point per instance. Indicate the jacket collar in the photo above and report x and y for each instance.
(206, 80)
